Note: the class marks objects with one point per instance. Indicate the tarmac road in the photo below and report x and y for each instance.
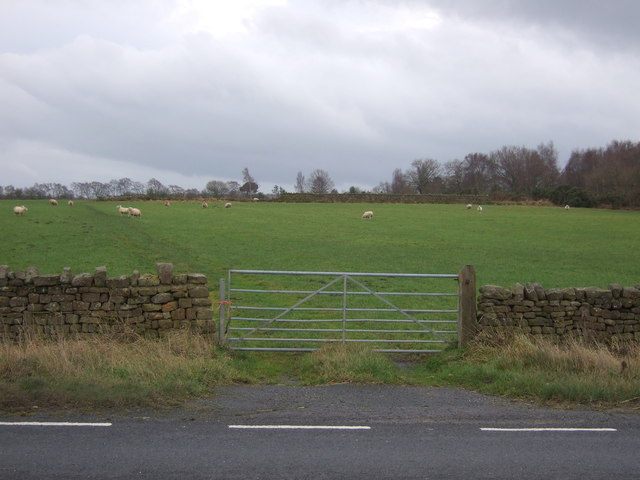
(342, 431)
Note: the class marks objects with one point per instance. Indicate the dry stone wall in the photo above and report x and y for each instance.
(595, 314)
(67, 304)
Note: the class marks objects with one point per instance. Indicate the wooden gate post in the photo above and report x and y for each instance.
(467, 326)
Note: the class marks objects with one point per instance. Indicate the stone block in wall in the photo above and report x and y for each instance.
(162, 298)
(199, 291)
(82, 280)
(203, 313)
(554, 295)
(197, 278)
(165, 272)
(201, 302)
(169, 306)
(4, 275)
(151, 307)
(100, 277)
(120, 282)
(30, 273)
(181, 279)
(631, 293)
(530, 292)
(144, 291)
(148, 281)
(616, 290)
(165, 323)
(179, 291)
(495, 292)
(66, 276)
(18, 302)
(80, 306)
(45, 280)
(518, 292)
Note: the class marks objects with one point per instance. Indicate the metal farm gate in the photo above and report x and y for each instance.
(302, 311)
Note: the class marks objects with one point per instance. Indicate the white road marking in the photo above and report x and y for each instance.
(55, 424)
(548, 429)
(300, 427)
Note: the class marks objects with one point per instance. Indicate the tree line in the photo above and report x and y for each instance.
(606, 176)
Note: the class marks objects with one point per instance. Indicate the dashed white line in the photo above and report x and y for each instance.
(54, 424)
(548, 429)
(301, 427)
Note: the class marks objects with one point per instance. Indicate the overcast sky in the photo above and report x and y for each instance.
(187, 91)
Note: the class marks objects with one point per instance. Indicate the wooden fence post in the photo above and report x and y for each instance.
(467, 326)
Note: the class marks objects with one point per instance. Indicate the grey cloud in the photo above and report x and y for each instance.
(307, 86)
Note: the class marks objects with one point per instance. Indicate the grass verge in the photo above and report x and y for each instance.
(131, 371)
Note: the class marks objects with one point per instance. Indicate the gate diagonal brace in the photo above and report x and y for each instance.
(384, 300)
(283, 313)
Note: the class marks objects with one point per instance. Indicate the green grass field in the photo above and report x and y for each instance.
(505, 244)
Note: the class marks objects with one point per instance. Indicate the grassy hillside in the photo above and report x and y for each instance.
(506, 244)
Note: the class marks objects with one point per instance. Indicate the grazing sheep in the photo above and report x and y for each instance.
(469, 206)
(123, 210)
(255, 199)
(134, 212)
(70, 203)
(167, 203)
(53, 202)
(567, 207)
(227, 205)
(367, 214)
(479, 208)
(205, 205)
(20, 209)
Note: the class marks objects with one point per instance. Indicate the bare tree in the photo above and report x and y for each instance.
(320, 182)
(250, 187)
(234, 188)
(217, 188)
(382, 187)
(400, 182)
(156, 189)
(299, 187)
(423, 174)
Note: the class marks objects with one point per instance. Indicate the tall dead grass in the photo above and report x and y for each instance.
(104, 371)
(572, 371)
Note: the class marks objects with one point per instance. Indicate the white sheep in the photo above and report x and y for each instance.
(70, 203)
(53, 202)
(134, 212)
(123, 210)
(479, 208)
(469, 206)
(205, 205)
(567, 207)
(227, 205)
(367, 214)
(20, 209)
(256, 199)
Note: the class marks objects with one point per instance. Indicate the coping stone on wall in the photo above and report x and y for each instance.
(100, 277)
(495, 292)
(82, 280)
(165, 273)
(66, 276)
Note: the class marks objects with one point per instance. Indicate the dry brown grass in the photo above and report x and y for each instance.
(574, 371)
(109, 371)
